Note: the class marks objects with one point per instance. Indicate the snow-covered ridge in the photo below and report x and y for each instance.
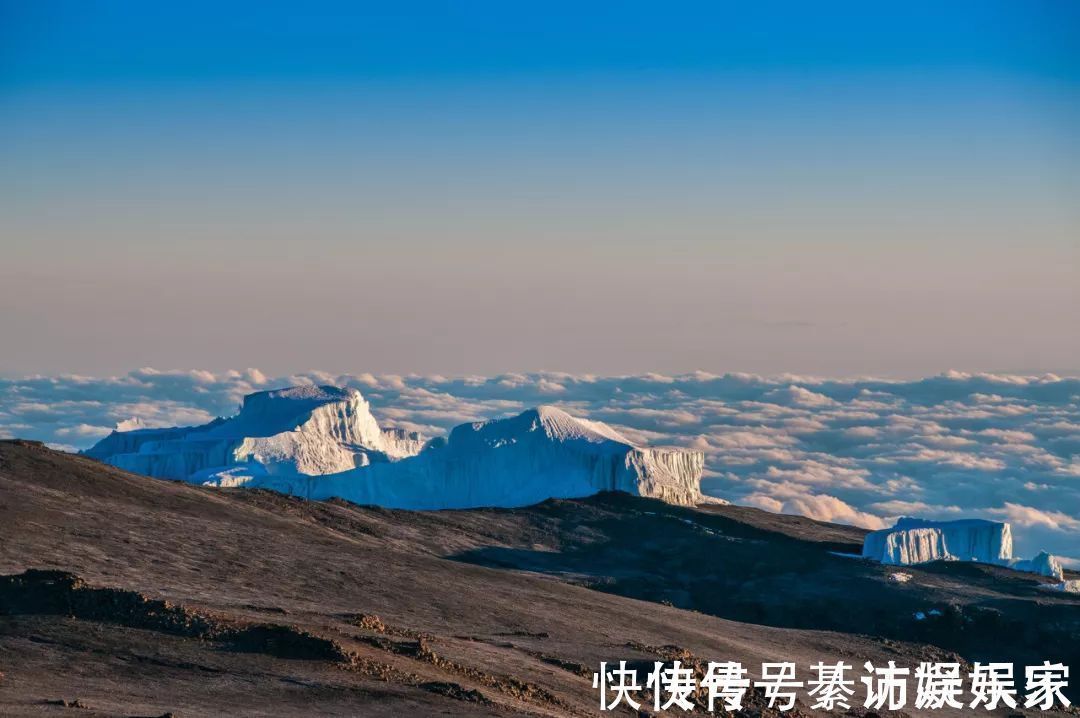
(913, 541)
(323, 442)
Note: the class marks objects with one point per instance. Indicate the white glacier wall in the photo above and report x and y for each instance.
(1044, 564)
(325, 411)
(540, 454)
(400, 442)
(323, 442)
(129, 442)
(673, 475)
(307, 430)
(913, 541)
(1070, 586)
(918, 541)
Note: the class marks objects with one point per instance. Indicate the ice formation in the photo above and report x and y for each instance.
(307, 430)
(1070, 586)
(913, 541)
(1044, 564)
(323, 442)
(917, 541)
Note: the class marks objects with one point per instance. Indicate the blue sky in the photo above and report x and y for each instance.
(118, 42)
(836, 188)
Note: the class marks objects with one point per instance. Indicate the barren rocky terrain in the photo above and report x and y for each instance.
(122, 595)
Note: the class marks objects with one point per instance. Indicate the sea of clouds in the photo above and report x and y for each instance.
(859, 451)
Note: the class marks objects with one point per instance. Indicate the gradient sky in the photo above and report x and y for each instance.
(475, 187)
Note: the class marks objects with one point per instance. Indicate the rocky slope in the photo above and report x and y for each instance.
(147, 597)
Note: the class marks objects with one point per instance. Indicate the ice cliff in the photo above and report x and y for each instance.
(1071, 586)
(1044, 564)
(307, 430)
(913, 541)
(323, 442)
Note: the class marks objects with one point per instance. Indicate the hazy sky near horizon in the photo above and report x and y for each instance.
(837, 188)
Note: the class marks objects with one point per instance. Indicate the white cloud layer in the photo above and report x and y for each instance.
(859, 451)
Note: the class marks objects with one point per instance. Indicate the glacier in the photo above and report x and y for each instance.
(323, 442)
(1070, 586)
(913, 541)
(307, 430)
(1043, 564)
